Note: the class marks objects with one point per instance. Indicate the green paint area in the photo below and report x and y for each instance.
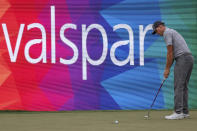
(181, 16)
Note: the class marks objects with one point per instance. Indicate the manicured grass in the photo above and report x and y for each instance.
(94, 121)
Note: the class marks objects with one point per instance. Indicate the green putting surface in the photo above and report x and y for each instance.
(94, 121)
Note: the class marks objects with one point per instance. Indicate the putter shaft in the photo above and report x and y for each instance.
(156, 97)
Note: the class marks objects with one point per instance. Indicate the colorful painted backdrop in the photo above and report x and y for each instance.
(56, 86)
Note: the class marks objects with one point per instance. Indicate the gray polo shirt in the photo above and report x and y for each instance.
(172, 37)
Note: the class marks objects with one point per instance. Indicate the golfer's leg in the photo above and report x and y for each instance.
(185, 100)
(188, 68)
(178, 86)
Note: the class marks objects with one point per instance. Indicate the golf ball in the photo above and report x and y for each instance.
(116, 121)
(146, 117)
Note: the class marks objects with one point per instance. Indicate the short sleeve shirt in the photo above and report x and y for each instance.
(172, 37)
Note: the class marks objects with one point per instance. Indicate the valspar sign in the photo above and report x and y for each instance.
(13, 51)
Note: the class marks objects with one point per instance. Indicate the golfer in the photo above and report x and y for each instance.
(177, 50)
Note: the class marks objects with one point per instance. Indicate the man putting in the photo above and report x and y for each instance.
(177, 50)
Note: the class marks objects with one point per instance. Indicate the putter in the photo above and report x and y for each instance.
(148, 114)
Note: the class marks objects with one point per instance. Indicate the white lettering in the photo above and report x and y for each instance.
(85, 56)
(36, 41)
(120, 43)
(14, 55)
(69, 43)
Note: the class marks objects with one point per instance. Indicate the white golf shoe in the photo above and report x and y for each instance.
(175, 116)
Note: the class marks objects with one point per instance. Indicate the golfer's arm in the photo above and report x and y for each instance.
(170, 56)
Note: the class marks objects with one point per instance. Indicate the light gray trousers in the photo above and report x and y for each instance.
(182, 72)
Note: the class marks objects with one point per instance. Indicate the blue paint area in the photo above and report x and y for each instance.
(133, 87)
(107, 102)
(136, 88)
